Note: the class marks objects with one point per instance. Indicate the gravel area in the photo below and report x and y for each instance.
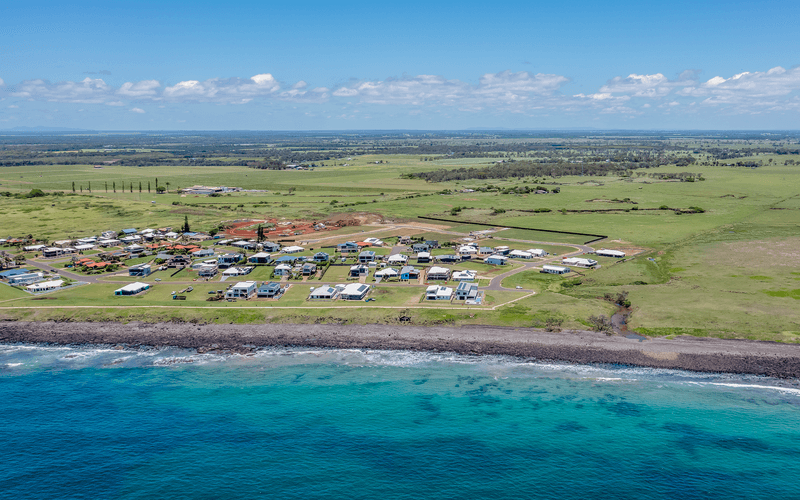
(687, 353)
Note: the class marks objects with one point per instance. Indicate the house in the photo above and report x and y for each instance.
(432, 243)
(358, 271)
(130, 239)
(438, 273)
(25, 279)
(467, 251)
(466, 275)
(293, 249)
(282, 270)
(228, 259)
(448, 259)
(610, 253)
(287, 259)
(237, 271)
(519, 254)
(132, 289)
(366, 256)
(308, 269)
(51, 252)
(198, 236)
(423, 258)
(579, 262)
(109, 234)
(13, 272)
(111, 242)
(436, 292)
(203, 252)
(139, 270)
(34, 248)
(81, 248)
(248, 245)
(485, 251)
(397, 259)
(270, 290)
(555, 269)
(45, 286)
(323, 292)
(405, 240)
(354, 291)
(242, 290)
(408, 273)
(502, 250)
(259, 258)
(496, 260)
(207, 270)
(537, 252)
(348, 247)
(321, 257)
(128, 232)
(179, 261)
(135, 249)
(387, 273)
(420, 247)
(374, 242)
(270, 246)
(466, 291)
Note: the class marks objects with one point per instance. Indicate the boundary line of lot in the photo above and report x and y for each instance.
(596, 237)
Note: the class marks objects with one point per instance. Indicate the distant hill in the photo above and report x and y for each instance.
(40, 128)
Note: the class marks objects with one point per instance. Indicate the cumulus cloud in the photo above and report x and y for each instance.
(764, 88)
(230, 90)
(144, 88)
(137, 110)
(2, 83)
(504, 88)
(88, 90)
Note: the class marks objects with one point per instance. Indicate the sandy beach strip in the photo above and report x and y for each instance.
(574, 346)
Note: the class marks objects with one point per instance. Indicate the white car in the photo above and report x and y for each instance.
(519, 287)
(158, 279)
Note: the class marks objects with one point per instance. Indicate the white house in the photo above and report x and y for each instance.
(467, 251)
(423, 257)
(397, 259)
(109, 242)
(537, 252)
(435, 292)
(354, 291)
(374, 242)
(293, 249)
(25, 279)
(84, 247)
(387, 273)
(237, 271)
(203, 252)
(438, 273)
(34, 248)
(242, 290)
(555, 269)
(610, 253)
(45, 286)
(496, 260)
(324, 292)
(259, 258)
(132, 289)
(579, 262)
(466, 291)
(283, 270)
(466, 275)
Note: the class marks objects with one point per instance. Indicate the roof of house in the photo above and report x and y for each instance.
(355, 289)
(438, 270)
(133, 287)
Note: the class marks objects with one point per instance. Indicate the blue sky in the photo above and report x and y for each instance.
(311, 65)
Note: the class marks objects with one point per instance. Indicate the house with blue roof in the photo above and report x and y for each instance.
(12, 272)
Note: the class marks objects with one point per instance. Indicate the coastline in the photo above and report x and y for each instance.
(572, 346)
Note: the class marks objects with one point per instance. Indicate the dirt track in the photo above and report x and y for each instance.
(688, 353)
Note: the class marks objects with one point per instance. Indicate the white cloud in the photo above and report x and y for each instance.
(230, 90)
(137, 110)
(2, 83)
(144, 88)
(748, 89)
(88, 90)
(13, 106)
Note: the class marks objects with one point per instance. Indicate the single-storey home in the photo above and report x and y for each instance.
(34, 248)
(420, 247)
(387, 273)
(366, 256)
(259, 258)
(176, 261)
(485, 250)
(519, 254)
(129, 231)
(130, 239)
(537, 252)
(423, 257)
(496, 260)
(135, 249)
(432, 243)
(323, 292)
(438, 273)
(579, 262)
(466, 291)
(45, 286)
(374, 242)
(436, 292)
(282, 270)
(237, 271)
(229, 259)
(81, 248)
(203, 252)
(467, 251)
(270, 290)
(287, 259)
(140, 270)
(249, 245)
(13, 272)
(448, 259)
(466, 275)
(555, 269)
(358, 271)
(293, 249)
(408, 273)
(397, 259)
(242, 290)
(603, 252)
(308, 269)
(62, 243)
(502, 250)
(354, 291)
(321, 257)
(25, 279)
(111, 242)
(132, 289)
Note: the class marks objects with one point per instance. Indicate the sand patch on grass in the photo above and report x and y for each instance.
(777, 253)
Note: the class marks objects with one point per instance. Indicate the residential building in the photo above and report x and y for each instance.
(237, 271)
(466, 291)
(466, 275)
(270, 246)
(555, 269)
(179, 261)
(603, 252)
(423, 258)
(293, 249)
(354, 291)
(270, 290)
(25, 279)
(132, 289)
(324, 292)
(420, 247)
(242, 290)
(259, 258)
(438, 273)
(537, 252)
(366, 256)
(579, 262)
(282, 270)
(207, 270)
(496, 260)
(321, 257)
(502, 250)
(432, 243)
(408, 273)
(203, 252)
(519, 254)
(140, 270)
(308, 269)
(387, 273)
(358, 271)
(448, 259)
(348, 247)
(228, 259)
(45, 286)
(397, 259)
(436, 292)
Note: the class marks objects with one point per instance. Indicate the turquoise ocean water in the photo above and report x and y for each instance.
(93, 422)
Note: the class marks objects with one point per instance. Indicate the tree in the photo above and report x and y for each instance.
(106, 186)
(73, 186)
(156, 183)
(148, 186)
(260, 233)
(168, 187)
(131, 187)
(140, 186)
(160, 189)
(114, 186)
(185, 223)
(90, 187)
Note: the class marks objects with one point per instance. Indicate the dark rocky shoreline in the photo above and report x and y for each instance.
(574, 346)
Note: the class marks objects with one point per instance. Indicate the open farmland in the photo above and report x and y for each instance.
(710, 223)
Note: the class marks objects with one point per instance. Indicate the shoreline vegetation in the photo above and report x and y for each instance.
(572, 346)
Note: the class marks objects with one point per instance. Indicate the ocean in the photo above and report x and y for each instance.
(96, 422)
